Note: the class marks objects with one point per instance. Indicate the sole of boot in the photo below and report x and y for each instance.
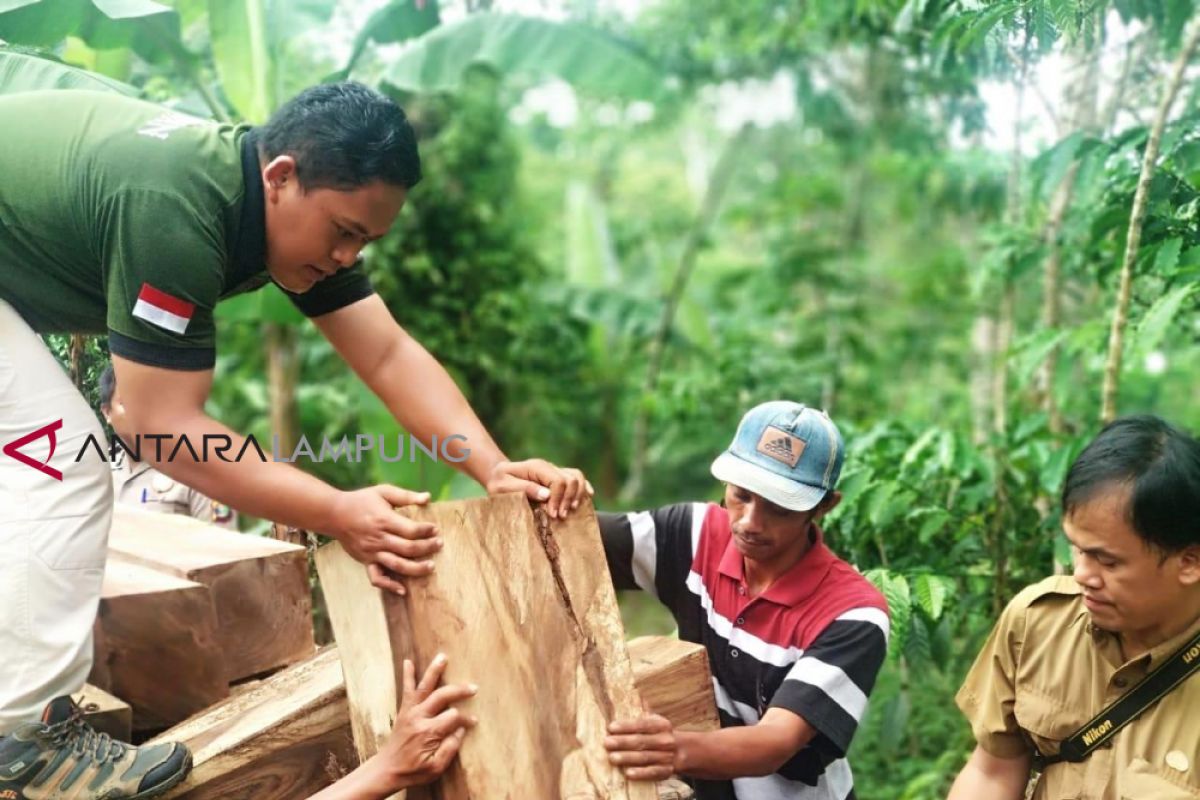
(167, 785)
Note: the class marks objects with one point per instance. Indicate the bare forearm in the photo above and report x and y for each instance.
(731, 753)
(426, 401)
(987, 776)
(364, 783)
(231, 470)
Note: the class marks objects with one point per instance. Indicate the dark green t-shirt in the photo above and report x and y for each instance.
(119, 215)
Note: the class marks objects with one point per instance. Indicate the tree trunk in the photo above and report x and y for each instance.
(1134, 51)
(1005, 322)
(715, 192)
(282, 372)
(1003, 333)
(1116, 338)
(982, 341)
(1007, 302)
(76, 354)
(833, 356)
(1052, 296)
(1083, 97)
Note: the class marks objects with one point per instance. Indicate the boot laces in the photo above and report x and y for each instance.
(83, 739)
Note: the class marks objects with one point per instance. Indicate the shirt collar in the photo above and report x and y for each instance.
(250, 248)
(1168, 648)
(1109, 642)
(794, 586)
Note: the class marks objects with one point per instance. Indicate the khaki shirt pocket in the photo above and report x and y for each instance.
(172, 500)
(1142, 780)
(1048, 725)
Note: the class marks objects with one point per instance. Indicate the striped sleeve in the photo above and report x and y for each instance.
(652, 550)
(828, 686)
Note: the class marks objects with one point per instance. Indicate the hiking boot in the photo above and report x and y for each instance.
(62, 757)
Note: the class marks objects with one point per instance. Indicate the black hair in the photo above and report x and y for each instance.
(343, 136)
(108, 384)
(1161, 465)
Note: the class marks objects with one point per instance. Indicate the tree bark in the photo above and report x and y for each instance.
(1120, 317)
(283, 369)
(1003, 332)
(1083, 99)
(76, 355)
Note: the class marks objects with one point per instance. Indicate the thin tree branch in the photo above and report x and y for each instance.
(1116, 338)
(717, 184)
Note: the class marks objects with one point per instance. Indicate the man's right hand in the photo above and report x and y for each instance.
(424, 741)
(428, 730)
(392, 546)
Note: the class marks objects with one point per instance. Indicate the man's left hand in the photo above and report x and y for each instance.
(560, 488)
(646, 748)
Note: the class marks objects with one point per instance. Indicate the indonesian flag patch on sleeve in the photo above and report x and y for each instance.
(161, 309)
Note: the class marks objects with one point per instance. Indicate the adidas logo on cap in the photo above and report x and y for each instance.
(781, 446)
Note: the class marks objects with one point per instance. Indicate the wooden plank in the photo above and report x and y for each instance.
(363, 640)
(283, 739)
(674, 679)
(105, 713)
(156, 645)
(521, 605)
(259, 585)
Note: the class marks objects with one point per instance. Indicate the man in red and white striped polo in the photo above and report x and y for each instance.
(795, 635)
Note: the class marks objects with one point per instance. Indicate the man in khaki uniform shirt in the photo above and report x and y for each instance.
(137, 483)
(1067, 647)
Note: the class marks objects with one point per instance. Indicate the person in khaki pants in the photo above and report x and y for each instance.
(120, 217)
(52, 531)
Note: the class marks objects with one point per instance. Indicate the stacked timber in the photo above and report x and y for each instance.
(259, 586)
(521, 604)
(284, 739)
(156, 645)
(188, 608)
(288, 737)
(675, 681)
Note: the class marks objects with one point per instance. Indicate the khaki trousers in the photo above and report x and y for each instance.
(53, 533)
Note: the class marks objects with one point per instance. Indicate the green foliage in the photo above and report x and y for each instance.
(857, 262)
(83, 364)
(592, 61)
(142, 25)
(22, 71)
(241, 52)
(398, 21)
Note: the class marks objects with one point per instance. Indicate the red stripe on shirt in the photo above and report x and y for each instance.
(166, 302)
(835, 587)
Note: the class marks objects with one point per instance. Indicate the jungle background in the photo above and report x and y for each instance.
(966, 229)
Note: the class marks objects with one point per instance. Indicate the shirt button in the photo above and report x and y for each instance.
(734, 652)
(741, 620)
(1120, 683)
(741, 590)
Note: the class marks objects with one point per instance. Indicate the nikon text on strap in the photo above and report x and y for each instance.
(1129, 706)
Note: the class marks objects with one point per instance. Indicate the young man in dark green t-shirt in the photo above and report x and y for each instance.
(119, 217)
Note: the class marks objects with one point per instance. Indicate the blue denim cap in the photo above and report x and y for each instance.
(786, 452)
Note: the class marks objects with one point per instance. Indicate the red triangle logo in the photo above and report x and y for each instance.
(13, 449)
